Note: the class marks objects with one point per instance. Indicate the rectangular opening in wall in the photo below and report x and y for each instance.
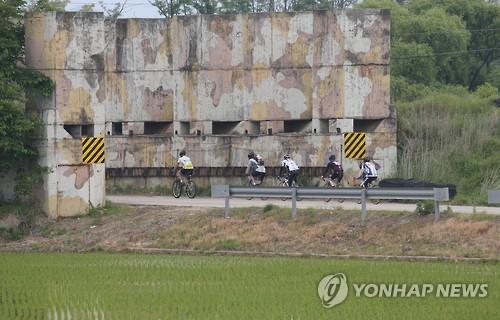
(320, 126)
(297, 126)
(75, 130)
(253, 127)
(224, 127)
(116, 128)
(363, 125)
(157, 127)
(87, 130)
(184, 128)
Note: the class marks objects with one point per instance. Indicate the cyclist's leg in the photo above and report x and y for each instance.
(365, 182)
(371, 180)
(184, 174)
(335, 179)
(294, 176)
(178, 174)
(187, 173)
(290, 179)
(339, 178)
(251, 179)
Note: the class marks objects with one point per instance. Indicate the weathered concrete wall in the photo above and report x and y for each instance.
(217, 86)
(222, 151)
(325, 64)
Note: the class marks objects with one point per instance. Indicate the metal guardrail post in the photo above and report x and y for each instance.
(294, 203)
(363, 206)
(437, 214)
(440, 194)
(493, 196)
(226, 208)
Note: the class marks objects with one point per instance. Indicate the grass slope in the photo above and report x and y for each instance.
(451, 138)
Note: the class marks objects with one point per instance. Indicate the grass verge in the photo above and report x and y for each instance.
(133, 286)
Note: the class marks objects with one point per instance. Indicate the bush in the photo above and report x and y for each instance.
(424, 208)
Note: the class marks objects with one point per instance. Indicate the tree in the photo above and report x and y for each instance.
(170, 8)
(237, 6)
(17, 84)
(87, 7)
(482, 19)
(446, 35)
(204, 6)
(46, 5)
(414, 61)
(113, 13)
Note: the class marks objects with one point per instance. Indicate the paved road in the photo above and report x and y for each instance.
(238, 202)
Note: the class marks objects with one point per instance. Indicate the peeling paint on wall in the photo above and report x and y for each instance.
(253, 74)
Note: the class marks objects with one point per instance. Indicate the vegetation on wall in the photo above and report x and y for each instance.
(17, 85)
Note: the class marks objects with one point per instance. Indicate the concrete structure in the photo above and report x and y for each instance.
(217, 86)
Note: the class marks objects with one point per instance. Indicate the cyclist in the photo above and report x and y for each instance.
(185, 165)
(261, 169)
(251, 171)
(337, 172)
(368, 172)
(291, 167)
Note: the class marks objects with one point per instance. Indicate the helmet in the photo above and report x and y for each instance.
(182, 153)
(251, 155)
(286, 156)
(332, 157)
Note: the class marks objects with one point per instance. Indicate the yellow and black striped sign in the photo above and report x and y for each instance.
(355, 145)
(93, 150)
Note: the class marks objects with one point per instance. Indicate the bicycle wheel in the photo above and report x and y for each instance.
(177, 188)
(191, 189)
(251, 186)
(284, 184)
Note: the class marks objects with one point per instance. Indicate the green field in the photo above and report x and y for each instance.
(133, 286)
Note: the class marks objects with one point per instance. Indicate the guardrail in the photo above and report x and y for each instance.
(494, 197)
(436, 194)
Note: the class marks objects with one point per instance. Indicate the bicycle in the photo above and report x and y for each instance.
(257, 182)
(189, 187)
(283, 182)
(332, 183)
(369, 185)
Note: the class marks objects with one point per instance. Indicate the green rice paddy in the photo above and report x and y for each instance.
(134, 286)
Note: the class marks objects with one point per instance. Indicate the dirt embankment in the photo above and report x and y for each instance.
(268, 229)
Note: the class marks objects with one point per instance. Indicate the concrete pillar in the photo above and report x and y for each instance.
(70, 187)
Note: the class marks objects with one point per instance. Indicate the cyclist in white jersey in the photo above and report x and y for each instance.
(368, 173)
(293, 169)
(251, 170)
(185, 165)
